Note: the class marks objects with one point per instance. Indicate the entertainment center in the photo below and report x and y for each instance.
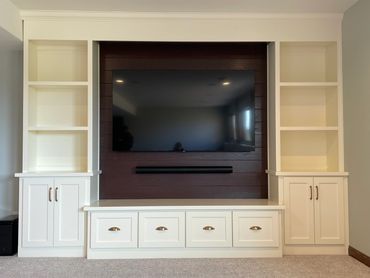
(68, 207)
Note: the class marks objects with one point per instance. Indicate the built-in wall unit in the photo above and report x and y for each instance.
(242, 156)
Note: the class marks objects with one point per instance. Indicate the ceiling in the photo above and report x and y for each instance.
(220, 6)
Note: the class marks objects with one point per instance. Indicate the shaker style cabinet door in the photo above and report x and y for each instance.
(37, 212)
(329, 210)
(69, 199)
(299, 210)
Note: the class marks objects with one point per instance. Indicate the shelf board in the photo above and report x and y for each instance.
(309, 128)
(307, 174)
(54, 174)
(57, 83)
(57, 128)
(308, 84)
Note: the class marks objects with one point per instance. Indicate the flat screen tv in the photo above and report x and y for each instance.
(183, 111)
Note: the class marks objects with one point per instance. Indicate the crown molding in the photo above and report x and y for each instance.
(41, 14)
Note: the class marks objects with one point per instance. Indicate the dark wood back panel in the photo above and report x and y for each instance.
(119, 180)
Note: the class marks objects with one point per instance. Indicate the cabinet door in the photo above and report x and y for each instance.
(69, 198)
(37, 212)
(299, 210)
(329, 210)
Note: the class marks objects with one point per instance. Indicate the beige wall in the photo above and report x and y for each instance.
(356, 69)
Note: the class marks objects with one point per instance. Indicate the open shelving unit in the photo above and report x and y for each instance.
(309, 116)
(56, 124)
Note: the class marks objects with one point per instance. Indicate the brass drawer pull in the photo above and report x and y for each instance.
(114, 229)
(255, 228)
(161, 228)
(209, 228)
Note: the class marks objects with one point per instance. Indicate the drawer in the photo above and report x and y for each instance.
(255, 229)
(162, 229)
(113, 230)
(208, 229)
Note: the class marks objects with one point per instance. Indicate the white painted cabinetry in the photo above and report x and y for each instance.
(37, 212)
(162, 229)
(314, 210)
(256, 229)
(208, 229)
(184, 228)
(51, 214)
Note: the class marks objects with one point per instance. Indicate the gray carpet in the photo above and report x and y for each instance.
(289, 266)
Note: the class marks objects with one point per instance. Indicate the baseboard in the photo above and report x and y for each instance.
(365, 259)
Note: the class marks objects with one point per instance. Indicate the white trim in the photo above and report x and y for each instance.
(184, 253)
(307, 174)
(55, 174)
(26, 14)
(315, 250)
(52, 252)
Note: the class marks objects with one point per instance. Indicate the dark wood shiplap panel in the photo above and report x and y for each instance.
(119, 179)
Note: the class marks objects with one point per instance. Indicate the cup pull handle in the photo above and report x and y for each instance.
(209, 228)
(255, 228)
(161, 228)
(114, 229)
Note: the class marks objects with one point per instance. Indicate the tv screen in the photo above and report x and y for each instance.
(183, 110)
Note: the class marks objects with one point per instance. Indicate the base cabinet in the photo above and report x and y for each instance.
(315, 210)
(179, 232)
(51, 214)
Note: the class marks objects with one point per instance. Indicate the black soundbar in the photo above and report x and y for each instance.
(184, 169)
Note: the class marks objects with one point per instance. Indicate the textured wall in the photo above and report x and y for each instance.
(356, 69)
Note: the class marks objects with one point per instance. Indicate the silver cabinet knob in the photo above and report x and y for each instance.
(209, 228)
(255, 228)
(114, 229)
(161, 228)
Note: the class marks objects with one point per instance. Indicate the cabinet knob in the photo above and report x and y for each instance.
(209, 228)
(161, 228)
(255, 228)
(114, 229)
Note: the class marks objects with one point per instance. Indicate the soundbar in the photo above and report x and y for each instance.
(184, 169)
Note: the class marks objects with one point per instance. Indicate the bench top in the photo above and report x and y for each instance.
(173, 204)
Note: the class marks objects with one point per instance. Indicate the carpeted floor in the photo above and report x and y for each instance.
(289, 266)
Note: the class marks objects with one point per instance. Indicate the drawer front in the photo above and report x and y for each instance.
(255, 229)
(162, 229)
(114, 230)
(208, 229)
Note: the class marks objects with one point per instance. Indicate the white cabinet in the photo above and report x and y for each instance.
(162, 229)
(114, 230)
(314, 210)
(208, 229)
(37, 213)
(52, 213)
(255, 229)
